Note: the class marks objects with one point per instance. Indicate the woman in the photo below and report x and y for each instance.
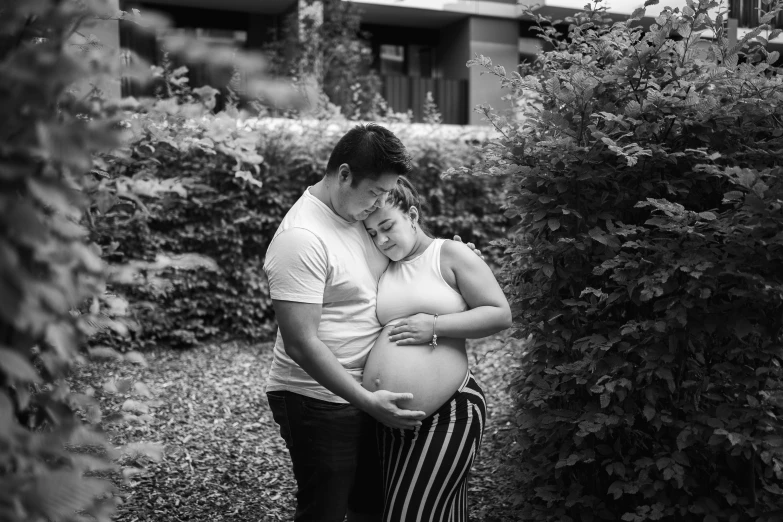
(435, 294)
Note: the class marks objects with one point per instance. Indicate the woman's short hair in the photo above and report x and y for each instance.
(370, 151)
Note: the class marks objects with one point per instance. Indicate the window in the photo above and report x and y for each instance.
(420, 61)
(392, 59)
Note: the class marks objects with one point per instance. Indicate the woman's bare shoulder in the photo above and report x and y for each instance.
(454, 249)
(456, 257)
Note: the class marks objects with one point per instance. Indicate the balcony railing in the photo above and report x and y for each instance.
(404, 93)
(748, 14)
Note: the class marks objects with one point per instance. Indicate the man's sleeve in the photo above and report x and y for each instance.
(296, 267)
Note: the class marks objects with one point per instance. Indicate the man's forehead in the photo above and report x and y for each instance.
(385, 183)
(378, 217)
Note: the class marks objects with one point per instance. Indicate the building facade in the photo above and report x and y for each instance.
(419, 46)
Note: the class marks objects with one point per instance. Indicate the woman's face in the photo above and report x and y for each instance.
(392, 231)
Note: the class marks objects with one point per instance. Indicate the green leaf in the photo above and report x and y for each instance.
(62, 337)
(598, 234)
(743, 327)
(16, 367)
(57, 196)
(141, 389)
(776, 441)
(616, 489)
(124, 385)
(60, 494)
(25, 224)
(666, 374)
(61, 143)
(774, 489)
(683, 439)
(637, 14)
(104, 352)
(136, 358)
(135, 406)
(7, 416)
(148, 449)
(110, 386)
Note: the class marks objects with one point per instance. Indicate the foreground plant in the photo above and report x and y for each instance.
(58, 137)
(649, 188)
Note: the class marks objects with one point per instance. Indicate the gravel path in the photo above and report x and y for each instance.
(224, 459)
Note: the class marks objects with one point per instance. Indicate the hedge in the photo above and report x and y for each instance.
(59, 136)
(647, 271)
(217, 214)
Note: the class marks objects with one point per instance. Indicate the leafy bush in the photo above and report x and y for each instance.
(175, 142)
(57, 142)
(53, 459)
(216, 214)
(646, 267)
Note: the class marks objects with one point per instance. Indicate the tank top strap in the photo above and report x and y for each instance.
(435, 260)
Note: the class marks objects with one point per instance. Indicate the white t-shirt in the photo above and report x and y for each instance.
(318, 257)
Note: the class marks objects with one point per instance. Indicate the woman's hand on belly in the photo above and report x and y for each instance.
(431, 373)
(416, 329)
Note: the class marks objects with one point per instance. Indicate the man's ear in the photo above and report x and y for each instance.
(344, 173)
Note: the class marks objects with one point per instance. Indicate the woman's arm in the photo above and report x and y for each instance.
(488, 311)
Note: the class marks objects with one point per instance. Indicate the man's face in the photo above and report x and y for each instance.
(356, 203)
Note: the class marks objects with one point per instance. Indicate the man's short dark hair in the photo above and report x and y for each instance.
(370, 151)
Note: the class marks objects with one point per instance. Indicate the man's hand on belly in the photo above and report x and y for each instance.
(383, 407)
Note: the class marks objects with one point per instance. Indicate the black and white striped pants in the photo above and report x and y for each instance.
(425, 470)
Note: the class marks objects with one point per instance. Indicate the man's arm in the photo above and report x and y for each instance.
(298, 324)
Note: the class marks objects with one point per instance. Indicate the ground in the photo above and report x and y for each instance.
(224, 459)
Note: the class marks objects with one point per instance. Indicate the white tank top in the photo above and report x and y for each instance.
(417, 286)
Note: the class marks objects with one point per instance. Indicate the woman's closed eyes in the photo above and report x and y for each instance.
(386, 229)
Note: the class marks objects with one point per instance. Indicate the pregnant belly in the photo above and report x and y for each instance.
(431, 374)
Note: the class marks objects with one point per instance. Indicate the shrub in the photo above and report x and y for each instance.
(53, 459)
(178, 170)
(223, 217)
(647, 270)
(57, 141)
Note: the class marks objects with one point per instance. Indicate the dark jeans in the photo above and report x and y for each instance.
(334, 455)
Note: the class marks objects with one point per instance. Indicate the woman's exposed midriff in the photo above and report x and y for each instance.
(431, 373)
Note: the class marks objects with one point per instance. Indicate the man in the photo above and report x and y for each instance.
(323, 271)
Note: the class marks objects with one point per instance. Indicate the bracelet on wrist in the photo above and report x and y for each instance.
(434, 341)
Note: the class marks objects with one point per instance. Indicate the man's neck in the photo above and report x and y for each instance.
(321, 192)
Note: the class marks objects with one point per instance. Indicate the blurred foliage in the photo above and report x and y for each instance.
(432, 114)
(51, 459)
(647, 269)
(62, 145)
(322, 47)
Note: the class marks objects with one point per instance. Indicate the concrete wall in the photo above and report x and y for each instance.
(453, 51)
(497, 39)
